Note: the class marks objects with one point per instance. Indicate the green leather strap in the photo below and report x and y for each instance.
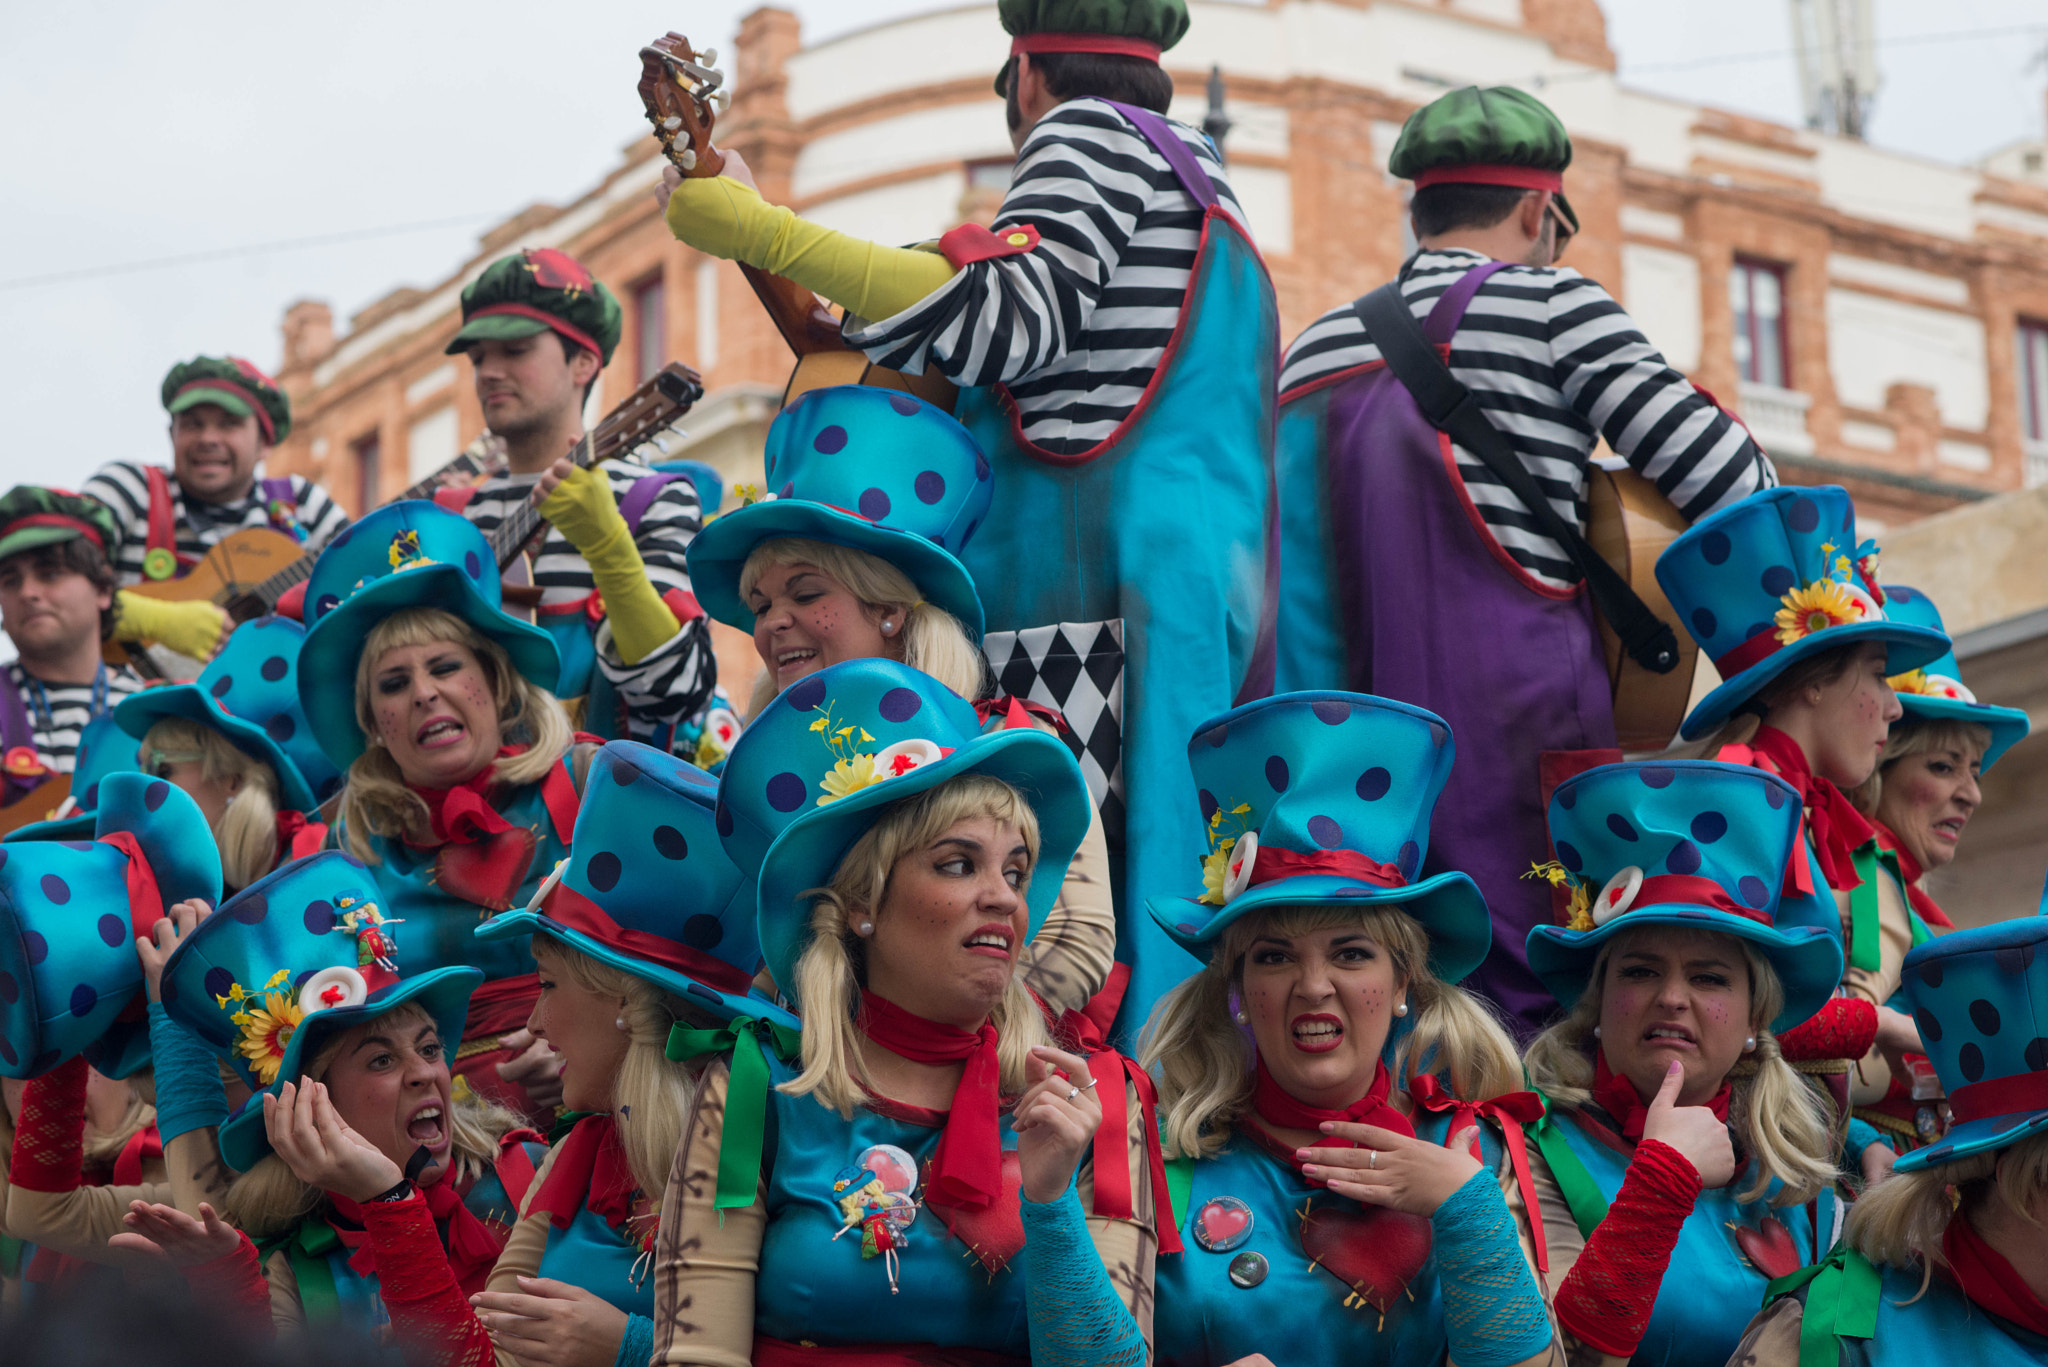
(1582, 1195)
(1864, 950)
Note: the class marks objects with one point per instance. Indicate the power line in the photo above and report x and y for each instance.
(252, 249)
(1733, 58)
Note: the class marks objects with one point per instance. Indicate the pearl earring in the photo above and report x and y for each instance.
(888, 628)
(1401, 1008)
(1596, 1032)
(1749, 1045)
(865, 928)
(1240, 1017)
(621, 1023)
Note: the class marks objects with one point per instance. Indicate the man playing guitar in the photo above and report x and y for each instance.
(225, 416)
(615, 592)
(56, 605)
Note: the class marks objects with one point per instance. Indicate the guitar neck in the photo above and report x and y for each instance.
(510, 536)
(800, 316)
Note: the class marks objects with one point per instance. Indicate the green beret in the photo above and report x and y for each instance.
(233, 384)
(32, 516)
(1132, 28)
(534, 291)
(1500, 136)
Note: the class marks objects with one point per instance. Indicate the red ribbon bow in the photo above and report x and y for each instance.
(589, 1172)
(1087, 1029)
(1511, 1111)
(966, 1171)
(142, 1146)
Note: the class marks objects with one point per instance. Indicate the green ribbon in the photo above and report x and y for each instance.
(1180, 1181)
(1582, 1195)
(306, 1248)
(1864, 951)
(746, 1095)
(1842, 1293)
(12, 1251)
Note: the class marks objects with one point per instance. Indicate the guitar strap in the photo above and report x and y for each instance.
(1451, 408)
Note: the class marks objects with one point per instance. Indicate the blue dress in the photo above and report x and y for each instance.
(1942, 1326)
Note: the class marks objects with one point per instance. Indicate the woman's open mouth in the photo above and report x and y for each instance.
(1675, 1035)
(992, 940)
(1950, 829)
(428, 1127)
(1316, 1034)
(439, 733)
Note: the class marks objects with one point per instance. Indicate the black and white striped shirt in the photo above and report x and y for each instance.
(1557, 365)
(675, 681)
(1077, 325)
(57, 713)
(124, 487)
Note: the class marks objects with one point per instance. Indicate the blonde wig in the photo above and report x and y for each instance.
(1902, 1218)
(101, 1149)
(1777, 1117)
(651, 1094)
(1919, 736)
(377, 800)
(1204, 1061)
(247, 829)
(833, 968)
(270, 1199)
(932, 638)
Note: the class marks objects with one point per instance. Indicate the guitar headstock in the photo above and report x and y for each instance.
(648, 412)
(684, 93)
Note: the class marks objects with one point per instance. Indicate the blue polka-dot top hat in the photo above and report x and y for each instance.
(407, 554)
(822, 761)
(249, 693)
(1935, 691)
(1692, 844)
(874, 469)
(648, 888)
(1324, 799)
(1980, 998)
(103, 749)
(1776, 579)
(300, 953)
(70, 912)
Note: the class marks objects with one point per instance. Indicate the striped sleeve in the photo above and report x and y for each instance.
(320, 517)
(124, 489)
(676, 680)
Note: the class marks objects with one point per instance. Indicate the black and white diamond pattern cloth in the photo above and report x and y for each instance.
(1077, 667)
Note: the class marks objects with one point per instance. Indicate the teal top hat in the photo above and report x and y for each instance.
(103, 749)
(1324, 799)
(407, 554)
(874, 469)
(249, 693)
(1693, 844)
(648, 889)
(70, 913)
(1935, 691)
(301, 953)
(1776, 579)
(822, 761)
(1980, 998)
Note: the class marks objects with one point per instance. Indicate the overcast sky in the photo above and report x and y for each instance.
(135, 132)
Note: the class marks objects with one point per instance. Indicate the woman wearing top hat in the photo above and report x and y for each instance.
(646, 940)
(1785, 600)
(907, 1188)
(1683, 1163)
(462, 773)
(374, 1193)
(1947, 1260)
(852, 555)
(1328, 1018)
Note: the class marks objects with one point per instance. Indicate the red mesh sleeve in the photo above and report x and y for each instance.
(427, 1305)
(235, 1282)
(1606, 1299)
(1845, 1028)
(49, 1140)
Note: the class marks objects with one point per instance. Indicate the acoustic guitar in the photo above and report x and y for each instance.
(39, 803)
(683, 93)
(1629, 523)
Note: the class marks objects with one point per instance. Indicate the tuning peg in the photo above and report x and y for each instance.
(672, 123)
(708, 57)
(722, 98)
(688, 158)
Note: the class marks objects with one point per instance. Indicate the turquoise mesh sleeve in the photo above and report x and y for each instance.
(1493, 1309)
(636, 1345)
(189, 1094)
(1077, 1319)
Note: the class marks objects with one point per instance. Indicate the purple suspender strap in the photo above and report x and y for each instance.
(14, 731)
(1443, 320)
(1168, 144)
(640, 498)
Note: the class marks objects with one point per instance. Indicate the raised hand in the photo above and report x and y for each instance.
(553, 1325)
(534, 1066)
(317, 1144)
(166, 1232)
(1694, 1131)
(1055, 1121)
(1394, 1170)
(164, 937)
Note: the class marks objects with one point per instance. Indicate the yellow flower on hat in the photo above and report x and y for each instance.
(1912, 681)
(1820, 605)
(266, 1033)
(849, 776)
(1216, 872)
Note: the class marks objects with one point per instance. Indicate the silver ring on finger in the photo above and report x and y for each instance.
(1073, 1092)
(1372, 1159)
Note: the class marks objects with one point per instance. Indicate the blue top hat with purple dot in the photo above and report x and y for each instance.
(103, 749)
(1980, 998)
(301, 953)
(1935, 691)
(1324, 799)
(70, 913)
(874, 469)
(1775, 579)
(249, 693)
(836, 749)
(1689, 844)
(648, 888)
(408, 554)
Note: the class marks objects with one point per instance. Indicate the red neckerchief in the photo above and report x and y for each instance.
(1617, 1096)
(297, 837)
(967, 1166)
(464, 814)
(1988, 1279)
(1838, 828)
(1910, 870)
(142, 1146)
(590, 1171)
(470, 1243)
(1274, 1106)
(1511, 1111)
(481, 857)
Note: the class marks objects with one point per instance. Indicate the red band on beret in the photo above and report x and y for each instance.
(568, 907)
(542, 316)
(78, 525)
(2015, 1095)
(229, 386)
(1523, 177)
(1085, 42)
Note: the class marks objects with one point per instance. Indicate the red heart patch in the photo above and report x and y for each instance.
(994, 1233)
(1373, 1251)
(1220, 1223)
(1769, 1248)
(486, 872)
